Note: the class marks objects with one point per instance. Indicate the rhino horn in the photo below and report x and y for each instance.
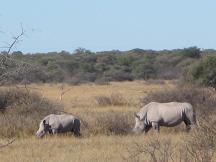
(137, 116)
(45, 122)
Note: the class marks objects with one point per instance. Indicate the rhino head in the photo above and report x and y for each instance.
(139, 124)
(44, 127)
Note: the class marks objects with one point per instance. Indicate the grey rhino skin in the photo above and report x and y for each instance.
(169, 114)
(53, 124)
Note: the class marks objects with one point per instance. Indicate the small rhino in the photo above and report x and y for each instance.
(53, 124)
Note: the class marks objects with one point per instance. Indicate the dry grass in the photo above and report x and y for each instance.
(21, 111)
(115, 99)
(70, 149)
(98, 143)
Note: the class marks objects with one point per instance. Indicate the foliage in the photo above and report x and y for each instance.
(144, 68)
(86, 66)
(192, 52)
(202, 72)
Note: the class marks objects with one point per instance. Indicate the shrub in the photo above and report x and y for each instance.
(118, 73)
(21, 112)
(23, 74)
(201, 146)
(166, 66)
(144, 69)
(155, 150)
(202, 72)
(115, 99)
(192, 52)
(110, 123)
(125, 60)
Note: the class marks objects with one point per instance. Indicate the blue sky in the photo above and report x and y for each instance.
(55, 25)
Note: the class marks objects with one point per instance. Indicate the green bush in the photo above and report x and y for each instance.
(125, 60)
(144, 69)
(202, 72)
(192, 52)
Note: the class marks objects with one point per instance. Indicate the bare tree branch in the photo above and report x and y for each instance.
(15, 40)
(4, 57)
(7, 144)
(63, 92)
(13, 70)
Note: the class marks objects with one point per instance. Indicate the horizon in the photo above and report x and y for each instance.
(96, 52)
(106, 26)
(112, 50)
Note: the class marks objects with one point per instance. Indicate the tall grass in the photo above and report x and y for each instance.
(21, 112)
(115, 99)
(106, 123)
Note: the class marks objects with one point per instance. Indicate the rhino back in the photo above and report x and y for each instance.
(62, 123)
(168, 113)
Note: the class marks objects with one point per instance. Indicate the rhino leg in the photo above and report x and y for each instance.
(77, 133)
(54, 131)
(146, 129)
(50, 131)
(156, 126)
(76, 128)
(188, 124)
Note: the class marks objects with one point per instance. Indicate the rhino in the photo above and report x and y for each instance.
(63, 123)
(154, 115)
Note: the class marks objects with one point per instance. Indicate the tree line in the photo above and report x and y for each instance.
(190, 64)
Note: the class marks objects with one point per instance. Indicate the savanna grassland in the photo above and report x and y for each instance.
(97, 144)
(101, 109)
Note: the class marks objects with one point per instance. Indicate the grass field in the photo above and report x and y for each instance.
(81, 101)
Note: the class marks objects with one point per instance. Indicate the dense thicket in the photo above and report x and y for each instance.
(203, 72)
(86, 66)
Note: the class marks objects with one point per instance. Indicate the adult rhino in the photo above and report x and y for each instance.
(169, 114)
(53, 124)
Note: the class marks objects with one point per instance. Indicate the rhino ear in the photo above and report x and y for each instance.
(137, 116)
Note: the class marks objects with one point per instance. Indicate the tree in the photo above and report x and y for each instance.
(202, 72)
(16, 70)
(81, 50)
(192, 52)
(144, 69)
(8, 65)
